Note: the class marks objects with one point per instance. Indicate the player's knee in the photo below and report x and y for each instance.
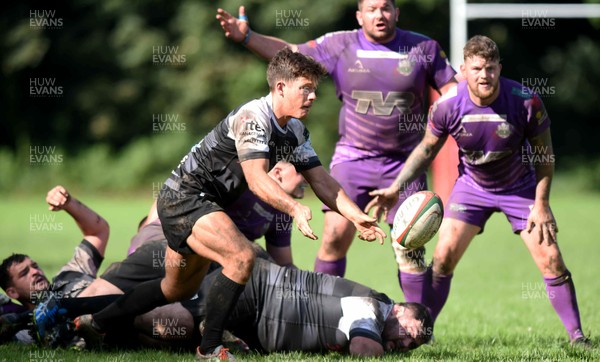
(443, 264)
(549, 261)
(555, 266)
(245, 262)
(337, 242)
(331, 248)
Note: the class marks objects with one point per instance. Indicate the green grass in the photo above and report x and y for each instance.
(497, 309)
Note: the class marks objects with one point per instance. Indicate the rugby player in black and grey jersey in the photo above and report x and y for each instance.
(281, 309)
(234, 156)
(24, 280)
(286, 309)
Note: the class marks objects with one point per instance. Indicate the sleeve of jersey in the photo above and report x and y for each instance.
(325, 49)
(280, 232)
(304, 157)
(436, 120)
(361, 318)
(537, 116)
(251, 134)
(440, 71)
(86, 260)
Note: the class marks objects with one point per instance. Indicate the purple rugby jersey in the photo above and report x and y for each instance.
(382, 87)
(492, 140)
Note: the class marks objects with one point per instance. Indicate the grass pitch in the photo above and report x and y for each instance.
(497, 310)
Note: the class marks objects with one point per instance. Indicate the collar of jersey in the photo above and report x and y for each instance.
(269, 99)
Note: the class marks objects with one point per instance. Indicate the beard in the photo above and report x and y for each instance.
(484, 94)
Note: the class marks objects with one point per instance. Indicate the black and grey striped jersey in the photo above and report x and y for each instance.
(213, 165)
(286, 309)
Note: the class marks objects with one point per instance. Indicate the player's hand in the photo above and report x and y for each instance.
(384, 200)
(234, 28)
(541, 222)
(302, 215)
(58, 198)
(368, 229)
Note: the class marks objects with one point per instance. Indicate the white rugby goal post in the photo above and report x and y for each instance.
(461, 12)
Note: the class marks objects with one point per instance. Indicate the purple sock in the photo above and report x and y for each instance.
(416, 287)
(561, 292)
(440, 288)
(337, 267)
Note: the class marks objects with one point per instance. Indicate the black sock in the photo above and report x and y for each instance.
(12, 323)
(86, 305)
(220, 301)
(18, 320)
(141, 299)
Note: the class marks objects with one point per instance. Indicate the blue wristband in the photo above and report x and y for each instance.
(247, 37)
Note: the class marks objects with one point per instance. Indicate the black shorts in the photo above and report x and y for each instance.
(178, 213)
(146, 263)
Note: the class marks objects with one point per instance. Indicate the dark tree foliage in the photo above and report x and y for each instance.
(114, 68)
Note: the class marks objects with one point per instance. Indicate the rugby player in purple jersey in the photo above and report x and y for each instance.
(506, 165)
(381, 74)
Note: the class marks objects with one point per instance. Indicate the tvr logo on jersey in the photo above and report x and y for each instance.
(480, 157)
(401, 100)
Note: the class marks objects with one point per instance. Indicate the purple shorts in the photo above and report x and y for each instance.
(360, 177)
(475, 206)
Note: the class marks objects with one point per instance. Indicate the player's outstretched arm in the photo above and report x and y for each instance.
(541, 220)
(238, 30)
(333, 195)
(417, 163)
(93, 226)
(263, 186)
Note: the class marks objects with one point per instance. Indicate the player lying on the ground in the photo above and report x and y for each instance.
(280, 309)
(23, 279)
(506, 165)
(253, 217)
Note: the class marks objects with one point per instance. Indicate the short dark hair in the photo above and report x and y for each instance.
(421, 314)
(287, 65)
(5, 279)
(481, 46)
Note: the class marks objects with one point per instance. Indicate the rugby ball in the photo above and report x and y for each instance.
(417, 219)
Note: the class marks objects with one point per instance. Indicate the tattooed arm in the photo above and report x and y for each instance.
(417, 163)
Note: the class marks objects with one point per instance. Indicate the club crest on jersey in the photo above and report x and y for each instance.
(405, 63)
(503, 130)
(405, 66)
